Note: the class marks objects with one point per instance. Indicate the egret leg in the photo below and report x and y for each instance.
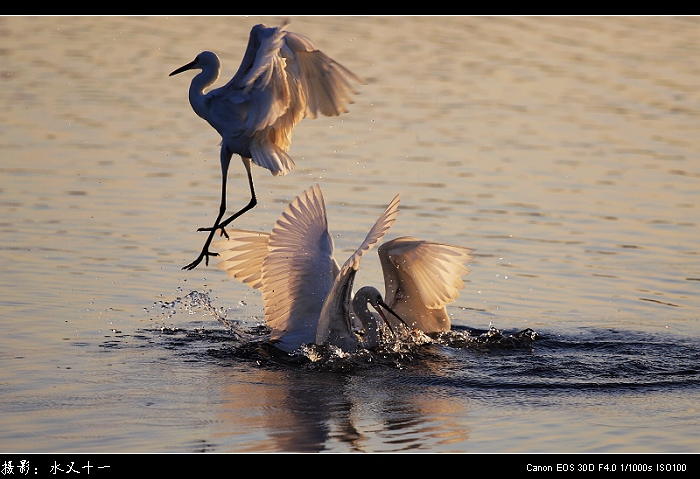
(204, 255)
(251, 204)
(205, 250)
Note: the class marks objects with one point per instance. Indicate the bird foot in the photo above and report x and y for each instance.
(214, 228)
(204, 255)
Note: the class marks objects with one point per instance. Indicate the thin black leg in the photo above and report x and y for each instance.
(251, 204)
(205, 254)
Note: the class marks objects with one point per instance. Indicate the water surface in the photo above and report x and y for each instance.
(563, 150)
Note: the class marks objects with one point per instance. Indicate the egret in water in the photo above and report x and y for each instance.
(308, 296)
(282, 79)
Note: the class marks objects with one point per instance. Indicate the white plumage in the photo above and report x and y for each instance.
(308, 296)
(282, 79)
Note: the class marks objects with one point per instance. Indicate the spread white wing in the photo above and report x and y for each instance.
(242, 255)
(421, 277)
(298, 271)
(324, 82)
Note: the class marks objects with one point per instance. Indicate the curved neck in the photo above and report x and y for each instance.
(200, 82)
(360, 305)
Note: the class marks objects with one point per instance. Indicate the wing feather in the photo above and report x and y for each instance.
(297, 273)
(268, 154)
(242, 255)
(421, 277)
(283, 78)
(324, 81)
(376, 233)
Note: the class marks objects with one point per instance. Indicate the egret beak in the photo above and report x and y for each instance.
(379, 310)
(183, 68)
(386, 306)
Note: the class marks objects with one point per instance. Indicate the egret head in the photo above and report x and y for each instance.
(203, 61)
(370, 295)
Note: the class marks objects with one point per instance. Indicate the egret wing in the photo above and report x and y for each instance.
(297, 273)
(282, 79)
(261, 81)
(286, 77)
(334, 325)
(242, 255)
(325, 83)
(421, 277)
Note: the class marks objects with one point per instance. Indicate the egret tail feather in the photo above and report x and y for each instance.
(268, 155)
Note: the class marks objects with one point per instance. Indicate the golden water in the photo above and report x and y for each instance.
(563, 149)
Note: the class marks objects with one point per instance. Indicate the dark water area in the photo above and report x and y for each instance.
(527, 360)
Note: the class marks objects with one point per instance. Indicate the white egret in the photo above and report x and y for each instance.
(308, 297)
(282, 79)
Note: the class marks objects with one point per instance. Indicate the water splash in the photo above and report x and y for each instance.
(396, 347)
(491, 338)
(192, 303)
(399, 348)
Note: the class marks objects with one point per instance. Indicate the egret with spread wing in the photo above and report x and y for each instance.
(308, 297)
(282, 79)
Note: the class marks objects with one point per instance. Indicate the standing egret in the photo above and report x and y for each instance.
(308, 297)
(282, 79)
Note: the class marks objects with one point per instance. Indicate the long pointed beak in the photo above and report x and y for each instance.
(379, 310)
(183, 68)
(386, 306)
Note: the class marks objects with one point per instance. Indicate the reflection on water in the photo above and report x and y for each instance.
(428, 398)
(563, 150)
